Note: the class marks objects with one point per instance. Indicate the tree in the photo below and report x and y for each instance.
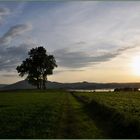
(37, 67)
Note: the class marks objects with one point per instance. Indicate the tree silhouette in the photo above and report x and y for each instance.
(37, 67)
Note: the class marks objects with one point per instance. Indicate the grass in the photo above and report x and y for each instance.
(128, 103)
(29, 115)
(44, 114)
(75, 123)
(118, 112)
(59, 114)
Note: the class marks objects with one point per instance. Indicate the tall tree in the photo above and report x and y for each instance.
(37, 67)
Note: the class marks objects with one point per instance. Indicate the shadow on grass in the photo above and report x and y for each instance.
(113, 123)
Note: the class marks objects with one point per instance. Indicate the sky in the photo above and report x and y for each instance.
(94, 41)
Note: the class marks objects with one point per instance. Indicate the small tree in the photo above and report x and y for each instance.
(37, 67)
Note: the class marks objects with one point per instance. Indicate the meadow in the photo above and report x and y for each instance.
(62, 114)
(116, 112)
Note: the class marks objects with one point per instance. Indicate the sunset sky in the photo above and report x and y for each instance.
(94, 41)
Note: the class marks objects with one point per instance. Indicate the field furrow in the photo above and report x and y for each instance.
(75, 123)
(113, 112)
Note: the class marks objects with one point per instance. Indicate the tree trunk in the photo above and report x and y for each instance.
(37, 83)
(44, 82)
(40, 83)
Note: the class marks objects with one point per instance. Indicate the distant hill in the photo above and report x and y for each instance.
(79, 85)
(18, 85)
(2, 85)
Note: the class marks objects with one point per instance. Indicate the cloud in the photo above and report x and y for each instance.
(79, 59)
(80, 43)
(13, 32)
(10, 57)
(90, 21)
(79, 34)
(3, 13)
(9, 75)
(67, 70)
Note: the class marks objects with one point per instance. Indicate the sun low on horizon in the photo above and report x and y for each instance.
(135, 64)
(93, 41)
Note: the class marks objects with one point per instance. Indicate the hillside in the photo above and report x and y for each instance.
(2, 85)
(18, 85)
(79, 85)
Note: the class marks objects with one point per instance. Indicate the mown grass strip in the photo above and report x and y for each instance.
(75, 123)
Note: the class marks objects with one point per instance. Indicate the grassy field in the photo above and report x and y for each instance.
(61, 114)
(40, 114)
(128, 103)
(119, 112)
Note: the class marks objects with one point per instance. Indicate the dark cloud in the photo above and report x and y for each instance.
(70, 59)
(10, 57)
(9, 75)
(13, 32)
(3, 12)
(68, 70)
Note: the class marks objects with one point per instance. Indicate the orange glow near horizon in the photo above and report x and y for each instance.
(136, 65)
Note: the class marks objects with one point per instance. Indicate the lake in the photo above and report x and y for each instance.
(93, 90)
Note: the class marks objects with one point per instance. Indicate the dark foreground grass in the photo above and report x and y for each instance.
(44, 114)
(75, 123)
(114, 112)
(62, 115)
(29, 114)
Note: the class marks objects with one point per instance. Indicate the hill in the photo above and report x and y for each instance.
(2, 85)
(18, 85)
(79, 85)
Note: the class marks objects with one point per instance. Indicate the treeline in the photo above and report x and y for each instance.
(126, 89)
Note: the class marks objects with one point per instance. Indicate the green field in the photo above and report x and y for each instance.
(62, 114)
(117, 112)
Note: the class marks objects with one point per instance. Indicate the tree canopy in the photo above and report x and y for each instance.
(37, 67)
